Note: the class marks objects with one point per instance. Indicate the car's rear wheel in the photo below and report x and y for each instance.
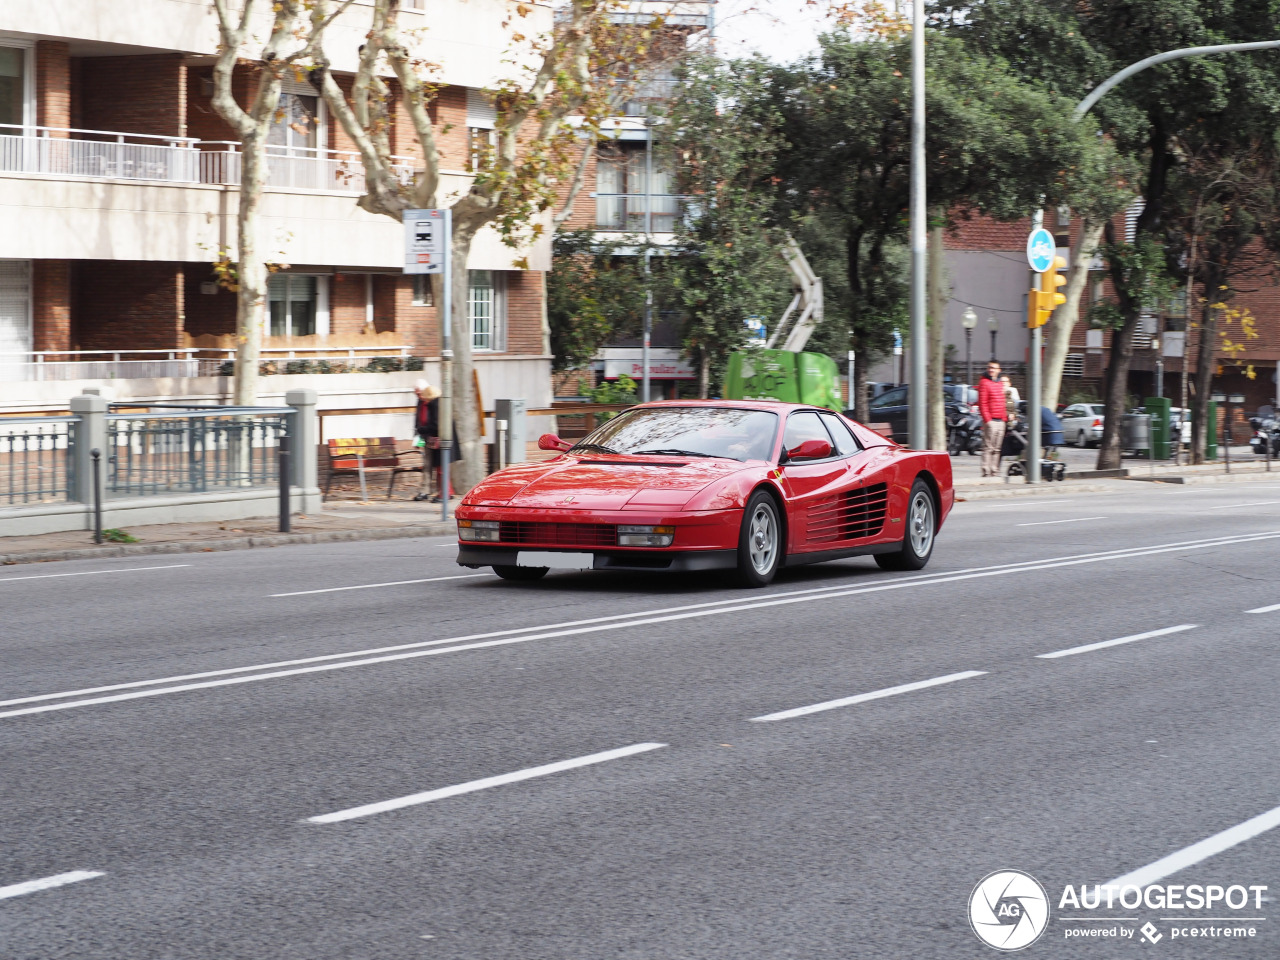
(1082, 440)
(520, 573)
(760, 541)
(917, 541)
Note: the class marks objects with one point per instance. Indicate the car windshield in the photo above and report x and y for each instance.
(728, 432)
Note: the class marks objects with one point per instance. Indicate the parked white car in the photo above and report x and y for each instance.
(1082, 424)
(1182, 423)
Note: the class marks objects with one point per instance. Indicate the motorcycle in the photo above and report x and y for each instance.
(1265, 429)
(964, 431)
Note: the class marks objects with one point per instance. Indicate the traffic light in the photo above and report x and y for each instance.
(1041, 303)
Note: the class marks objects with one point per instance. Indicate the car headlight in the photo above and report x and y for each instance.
(478, 530)
(631, 536)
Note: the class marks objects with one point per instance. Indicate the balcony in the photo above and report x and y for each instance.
(629, 212)
(111, 155)
(649, 94)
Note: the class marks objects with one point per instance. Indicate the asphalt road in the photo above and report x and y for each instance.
(362, 751)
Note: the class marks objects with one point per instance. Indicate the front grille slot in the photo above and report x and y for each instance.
(558, 534)
(851, 516)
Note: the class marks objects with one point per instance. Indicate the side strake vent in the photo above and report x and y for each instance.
(851, 516)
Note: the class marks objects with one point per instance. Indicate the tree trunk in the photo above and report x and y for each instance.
(1117, 391)
(472, 468)
(704, 373)
(1205, 366)
(1068, 315)
(937, 306)
(251, 298)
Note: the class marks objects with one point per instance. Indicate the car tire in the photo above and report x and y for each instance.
(759, 541)
(1082, 441)
(520, 573)
(921, 528)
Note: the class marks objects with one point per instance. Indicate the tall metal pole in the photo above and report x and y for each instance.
(918, 396)
(446, 369)
(968, 355)
(648, 245)
(851, 405)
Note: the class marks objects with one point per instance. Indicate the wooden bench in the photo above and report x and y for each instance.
(360, 455)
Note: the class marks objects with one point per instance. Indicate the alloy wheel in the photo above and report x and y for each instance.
(763, 539)
(920, 523)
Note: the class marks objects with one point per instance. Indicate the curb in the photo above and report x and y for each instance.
(231, 543)
(1029, 490)
(1258, 477)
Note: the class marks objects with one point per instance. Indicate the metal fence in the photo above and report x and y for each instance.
(303, 168)
(103, 154)
(627, 211)
(194, 450)
(36, 460)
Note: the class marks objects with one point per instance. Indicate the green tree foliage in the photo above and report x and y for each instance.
(595, 293)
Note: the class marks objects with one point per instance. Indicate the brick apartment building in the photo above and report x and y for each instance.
(118, 187)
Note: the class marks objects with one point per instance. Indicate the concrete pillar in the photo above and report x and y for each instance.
(90, 434)
(305, 428)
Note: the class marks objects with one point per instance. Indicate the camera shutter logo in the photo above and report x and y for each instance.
(1009, 910)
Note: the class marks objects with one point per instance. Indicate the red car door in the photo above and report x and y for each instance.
(811, 486)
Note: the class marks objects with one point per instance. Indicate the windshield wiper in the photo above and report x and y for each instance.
(674, 452)
(592, 446)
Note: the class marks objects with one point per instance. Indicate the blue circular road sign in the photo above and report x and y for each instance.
(1041, 250)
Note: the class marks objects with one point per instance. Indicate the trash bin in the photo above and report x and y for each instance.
(513, 412)
(1137, 433)
(1158, 408)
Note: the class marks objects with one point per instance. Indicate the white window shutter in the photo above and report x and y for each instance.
(481, 113)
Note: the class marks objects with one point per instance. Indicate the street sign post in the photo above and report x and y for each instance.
(1041, 257)
(427, 236)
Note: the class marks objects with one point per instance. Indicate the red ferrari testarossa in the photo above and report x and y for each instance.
(686, 485)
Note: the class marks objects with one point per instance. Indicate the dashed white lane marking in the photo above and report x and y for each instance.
(472, 786)
(370, 586)
(1041, 523)
(47, 883)
(1231, 837)
(576, 627)
(90, 573)
(1233, 506)
(1071, 651)
(1270, 609)
(864, 697)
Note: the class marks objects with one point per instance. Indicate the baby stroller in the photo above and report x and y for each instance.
(1016, 440)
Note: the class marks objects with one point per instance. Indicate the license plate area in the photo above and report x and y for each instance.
(555, 559)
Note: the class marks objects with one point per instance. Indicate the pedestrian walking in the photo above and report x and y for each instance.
(427, 435)
(993, 408)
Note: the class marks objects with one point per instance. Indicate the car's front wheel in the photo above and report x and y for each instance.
(760, 541)
(917, 542)
(520, 573)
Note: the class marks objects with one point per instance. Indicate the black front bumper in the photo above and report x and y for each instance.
(664, 561)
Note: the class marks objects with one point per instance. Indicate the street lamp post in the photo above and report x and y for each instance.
(1155, 345)
(969, 320)
(993, 325)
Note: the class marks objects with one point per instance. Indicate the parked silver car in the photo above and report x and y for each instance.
(1082, 424)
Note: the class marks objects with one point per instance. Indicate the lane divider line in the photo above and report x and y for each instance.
(1271, 609)
(370, 809)
(1045, 523)
(1235, 506)
(525, 634)
(90, 573)
(370, 586)
(1210, 846)
(48, 883)
(864, 697)
(1072, 651)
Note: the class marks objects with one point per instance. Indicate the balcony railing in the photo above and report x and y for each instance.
(100, 154)
(649, 94)
(112, 155)
(303, 168)
(626, 212)
(52, 365)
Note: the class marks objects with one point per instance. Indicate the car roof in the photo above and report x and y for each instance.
(775, 406)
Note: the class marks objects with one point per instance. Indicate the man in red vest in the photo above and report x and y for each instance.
(991, 407)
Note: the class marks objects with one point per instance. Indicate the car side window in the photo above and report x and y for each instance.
(1070, 412)
(801, 426)
(846, 444)
(890, 398)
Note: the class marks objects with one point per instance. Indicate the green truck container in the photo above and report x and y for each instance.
(784, 375)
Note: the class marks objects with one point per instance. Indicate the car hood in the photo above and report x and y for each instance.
(602, 483)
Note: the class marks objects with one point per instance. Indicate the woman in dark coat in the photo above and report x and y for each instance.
(426, 425)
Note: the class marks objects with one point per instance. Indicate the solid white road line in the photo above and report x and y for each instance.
(511, 636)
(47, 883)
(90, 573)
(412, 800)
(1200, 851)
(1071, 651)
(370, 586)
(1271, 609)
(1042, 523)
(1233, 506)
(864, 697)
(1024, 503)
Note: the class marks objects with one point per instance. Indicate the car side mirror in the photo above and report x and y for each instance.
(549, 441)
(810, 450)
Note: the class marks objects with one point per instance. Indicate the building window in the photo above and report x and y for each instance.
(423, 295)
(482, 142)
(485, 309)
(15, 317)
(296, 125)
(621, 194)
(293, 305)
(13, 89)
